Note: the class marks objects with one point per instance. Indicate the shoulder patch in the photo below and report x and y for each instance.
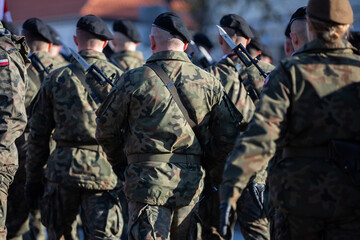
(4, 62)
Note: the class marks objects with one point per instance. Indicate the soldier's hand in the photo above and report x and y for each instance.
(33, 192)
(257, 192)
(225, 214)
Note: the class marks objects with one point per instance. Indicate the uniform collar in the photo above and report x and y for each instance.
(318, 45)
(125, 53)
(169, 55)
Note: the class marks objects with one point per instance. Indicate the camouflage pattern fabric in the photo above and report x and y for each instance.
(13, 80)
(127, 60)
(252, 76)
(308, 100)
(59, 61)
(160, 223)
(36, 78)
(65, 106)
(233, 74)
(141, 104)
(100, 212)
(65, 109)
(18, 209)
(230, 71)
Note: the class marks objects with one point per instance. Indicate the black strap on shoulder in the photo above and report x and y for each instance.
(82, 77)
(172, 89)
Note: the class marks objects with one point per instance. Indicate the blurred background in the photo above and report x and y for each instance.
(268, 17)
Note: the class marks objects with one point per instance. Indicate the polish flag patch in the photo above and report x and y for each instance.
(4, 62)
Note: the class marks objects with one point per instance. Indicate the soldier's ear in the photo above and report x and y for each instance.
(186, 45)
(248, 41)
(153, 42)
(294, 39)
(50, 45)
(105, 43)
(75, 40)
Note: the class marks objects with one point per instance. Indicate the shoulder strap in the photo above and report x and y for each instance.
(172, 89)
(82, 77)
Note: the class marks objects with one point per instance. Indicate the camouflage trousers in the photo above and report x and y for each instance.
(6, 177)
(313, 199)
(148, 222)
(100, 212)
(22, 223)
(252, 220)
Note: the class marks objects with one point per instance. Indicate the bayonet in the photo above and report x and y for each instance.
(241, 52)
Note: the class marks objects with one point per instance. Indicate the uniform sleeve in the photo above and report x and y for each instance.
(13, 116)
(111, 117)
(254, 148)
(41, 126)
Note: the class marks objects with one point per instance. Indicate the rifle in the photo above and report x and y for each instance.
(204, 57)
(241, 52)
(38, 65)
(93, 69)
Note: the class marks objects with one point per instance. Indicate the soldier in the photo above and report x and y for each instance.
(309, 107)
(266, 55)
(253, 81)
(78, 174)
(40, 41)
(297, 25)
(13, 52)
(233, 74)
(163, 114)
(126, 39)
(58, 58)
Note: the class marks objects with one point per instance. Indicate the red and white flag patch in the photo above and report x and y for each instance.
(4, 62)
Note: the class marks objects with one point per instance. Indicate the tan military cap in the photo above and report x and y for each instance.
(332, 11)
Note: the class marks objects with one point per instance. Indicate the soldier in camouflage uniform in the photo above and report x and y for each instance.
(13, 52)
(163, 175)
(40, 41)
(233, 73)
(58, 58)
(126, 39)
(309, 107)
(78, 175)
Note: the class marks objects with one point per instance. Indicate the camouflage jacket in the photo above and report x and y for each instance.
(65, 107)
(13, 80)
(127, 60)
(307, 100)
(231, 72)
(141, 116)
(36, 78)
(59, 61)
(252, 76)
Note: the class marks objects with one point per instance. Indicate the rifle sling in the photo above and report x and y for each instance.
(82, 77)
(172, 89)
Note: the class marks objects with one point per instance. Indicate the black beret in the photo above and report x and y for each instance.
(255, 41)
(237, 23)
(127, 28)
(202, 40)
(173, 24)
(10, 27)
(94, 25)
(300, 13)
(39, 28)
(55, 36)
